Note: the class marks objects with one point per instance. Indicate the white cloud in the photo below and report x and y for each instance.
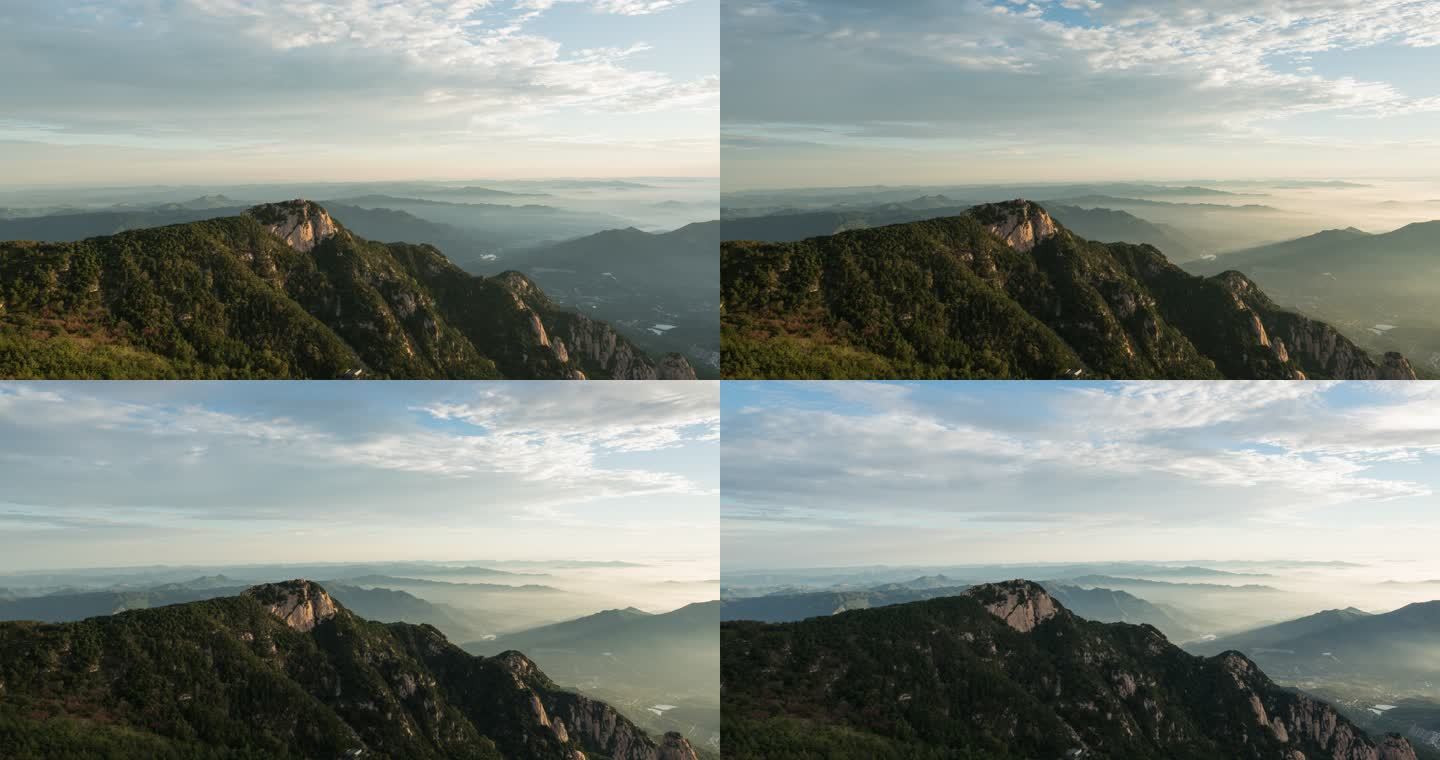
(1138, 82)
(1255, 450)
(528, 450)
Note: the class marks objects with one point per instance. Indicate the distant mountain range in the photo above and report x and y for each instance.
(661, 289)
(284, 290)
(285, 671)
(1101, 224)
(1100, 604)
(672, 650)
(1004, 291)
(391, 580)
(1394, 646)
(382, 604)
(1007, 671)
(1381, 287)
(1270, 636)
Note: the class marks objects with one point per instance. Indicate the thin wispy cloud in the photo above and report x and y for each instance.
(433, 461)
(1155, 88)
(434, 83)
(959, 460)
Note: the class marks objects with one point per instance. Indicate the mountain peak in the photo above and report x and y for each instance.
(1021, 604)
(301, 604)
(300, 223)
(517, 664)
(1020, 223)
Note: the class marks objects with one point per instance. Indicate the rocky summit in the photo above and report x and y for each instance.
(1021, 224)
(1003, 670)
(284, 671)
(300, 223)
(1021, 605)
(300, 604)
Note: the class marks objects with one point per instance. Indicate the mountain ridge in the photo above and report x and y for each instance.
(282, 670)
(1005, 671)
(284, 290)
(973, 297)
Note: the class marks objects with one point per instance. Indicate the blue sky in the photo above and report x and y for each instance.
(853, 92)
(131, 91)
(195, 472)
(822, 474)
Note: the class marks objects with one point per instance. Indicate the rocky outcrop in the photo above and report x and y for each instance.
(674, 367)
(590, 341)
(300, 223)
(1022, 605)
(301, 604)
(1298, 720)
(596, 724)
(1310, 347)
(1020, 223)
(575, 719)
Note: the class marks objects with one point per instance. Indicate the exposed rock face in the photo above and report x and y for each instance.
(1021, 604)
(1020, 223)
(1304, 343)
(674, 367)
(576, 718)
(301, 604)
(599, 343)
(597, 724)
(1305, 721)
(300, 223)
(1394, 366)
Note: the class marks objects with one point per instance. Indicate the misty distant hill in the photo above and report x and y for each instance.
(1381, 287)
(1279, 634)
(1105, 605)
(1396, 646)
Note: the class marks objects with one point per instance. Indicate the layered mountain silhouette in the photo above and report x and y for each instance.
(1380, 287)
(675, 651)
(381, 604)
(1092, 223)
(284, 290)
(1397, 645)
(1003, 291)
(678, 260)
(284, 671)
(1100, 604)
(661, 288)
(1347, 251)
(1006, 671)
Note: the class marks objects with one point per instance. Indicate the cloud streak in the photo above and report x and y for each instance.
(176, 459)
(1064, 79)
(265, 80)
